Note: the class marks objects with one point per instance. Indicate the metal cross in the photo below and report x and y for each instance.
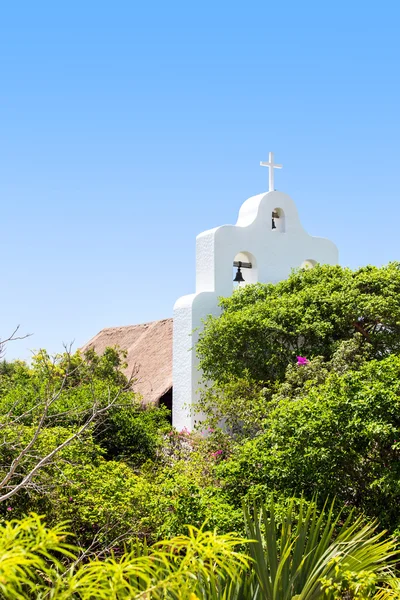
(271, 165)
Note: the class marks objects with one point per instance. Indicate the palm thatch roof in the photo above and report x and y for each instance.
(149, 348)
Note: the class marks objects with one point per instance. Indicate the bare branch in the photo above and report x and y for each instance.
(20, 474)
(46, 459)
(11, 338)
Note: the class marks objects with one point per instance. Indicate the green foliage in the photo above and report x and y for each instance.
(340, 436)
(43, 406)
(184, 491)
(29, 554)
(304, 560)
(178, 499)
(263, 327)
(200, 564)
(239, 402)
(65, 386)
(329, 427)
(197, 565)
(80, 452)
(106, 503)
(81, 368)
(133, 433)
(124, 477)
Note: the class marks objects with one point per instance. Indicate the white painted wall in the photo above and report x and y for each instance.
(276, 252)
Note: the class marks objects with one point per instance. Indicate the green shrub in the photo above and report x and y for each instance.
(133, 433)
(341, 437)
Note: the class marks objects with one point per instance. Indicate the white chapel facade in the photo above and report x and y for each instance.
(266, 243)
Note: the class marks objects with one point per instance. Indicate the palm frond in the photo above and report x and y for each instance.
(312, 553)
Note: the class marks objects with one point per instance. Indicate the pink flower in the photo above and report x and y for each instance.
(70, 498)
(217, 453)
(9, 508)
(301, 360)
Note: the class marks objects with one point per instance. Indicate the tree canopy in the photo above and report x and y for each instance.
(264, 327)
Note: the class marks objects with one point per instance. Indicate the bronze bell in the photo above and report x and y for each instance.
(238, 276)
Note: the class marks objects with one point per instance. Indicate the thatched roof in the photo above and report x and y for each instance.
(149, 349)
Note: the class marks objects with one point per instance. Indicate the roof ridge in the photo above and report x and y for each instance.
(148, 324)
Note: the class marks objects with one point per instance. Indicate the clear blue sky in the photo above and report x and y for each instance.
(128, 128)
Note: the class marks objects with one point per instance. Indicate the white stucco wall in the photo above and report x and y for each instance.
(276, 252)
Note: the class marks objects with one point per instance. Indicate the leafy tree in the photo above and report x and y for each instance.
(40, 493)
(263, 327)
(52, 404)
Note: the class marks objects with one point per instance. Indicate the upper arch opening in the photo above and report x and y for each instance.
(278, 220)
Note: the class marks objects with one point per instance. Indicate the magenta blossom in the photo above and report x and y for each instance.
(9, 508)
(301, 360)
(217, 453)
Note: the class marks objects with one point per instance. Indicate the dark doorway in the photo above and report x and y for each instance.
(166, 400)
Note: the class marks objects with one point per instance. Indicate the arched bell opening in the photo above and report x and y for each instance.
(309, 263)
(278, 220)
(244, 269)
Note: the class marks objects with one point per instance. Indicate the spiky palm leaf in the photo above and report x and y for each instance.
(306, 560)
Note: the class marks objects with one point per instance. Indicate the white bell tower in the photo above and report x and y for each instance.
(267, 242)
